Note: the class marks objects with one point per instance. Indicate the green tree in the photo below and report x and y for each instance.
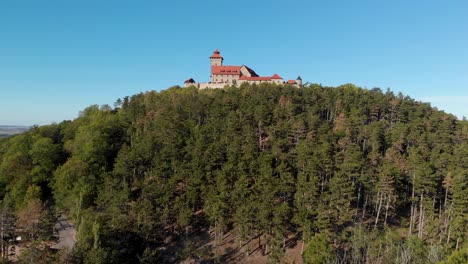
(319, 250)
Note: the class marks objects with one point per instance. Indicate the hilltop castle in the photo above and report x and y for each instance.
(235, 75)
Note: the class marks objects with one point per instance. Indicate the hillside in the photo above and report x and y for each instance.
(250, 174)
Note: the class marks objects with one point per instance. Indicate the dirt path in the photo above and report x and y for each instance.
(67, 234)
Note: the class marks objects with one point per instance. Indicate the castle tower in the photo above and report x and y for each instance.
(216, 58)
(299, 81)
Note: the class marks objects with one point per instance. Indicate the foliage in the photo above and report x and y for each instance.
(319, 250)
(359, 175)
(457, 257)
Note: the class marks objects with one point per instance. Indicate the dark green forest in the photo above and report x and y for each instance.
(350, 175)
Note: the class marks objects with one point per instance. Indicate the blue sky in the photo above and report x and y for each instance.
(58, 57)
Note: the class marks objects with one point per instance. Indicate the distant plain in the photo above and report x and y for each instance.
(6, 131)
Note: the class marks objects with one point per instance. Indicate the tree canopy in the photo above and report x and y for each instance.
(359, 176)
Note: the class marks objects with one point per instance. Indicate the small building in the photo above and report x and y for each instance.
(189, 82)
(222, 75)
(298, 81)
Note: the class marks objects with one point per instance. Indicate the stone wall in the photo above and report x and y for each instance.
(211, 85)
(239, 82)
(224, 78)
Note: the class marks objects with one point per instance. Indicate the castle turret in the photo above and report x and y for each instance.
(216, 58)
(299, 81)
(189, 82)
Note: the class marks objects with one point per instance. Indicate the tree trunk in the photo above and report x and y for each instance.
(421, 213)
(259, 242)
(448, 236)
(376, 205)
(302, 246)
(378, 210)
(412, 212)
(364, 207)
(440, 210)
(358, 198)
(386, 209)
(2, 236)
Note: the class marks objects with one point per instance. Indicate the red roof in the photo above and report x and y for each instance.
(276, 76)
(292, 82)
(261, 78)
(216, 54)
(227, 70)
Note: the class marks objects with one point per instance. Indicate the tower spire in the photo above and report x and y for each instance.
(216, 58)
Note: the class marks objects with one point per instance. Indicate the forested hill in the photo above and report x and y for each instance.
(348, 175)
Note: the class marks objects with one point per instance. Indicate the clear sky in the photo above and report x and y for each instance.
(59, 56)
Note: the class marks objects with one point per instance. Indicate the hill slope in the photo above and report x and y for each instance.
(343, 173)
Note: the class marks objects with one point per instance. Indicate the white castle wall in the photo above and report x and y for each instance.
(211, 85)
(224, 78)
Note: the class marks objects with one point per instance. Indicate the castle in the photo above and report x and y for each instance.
(222, 75)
